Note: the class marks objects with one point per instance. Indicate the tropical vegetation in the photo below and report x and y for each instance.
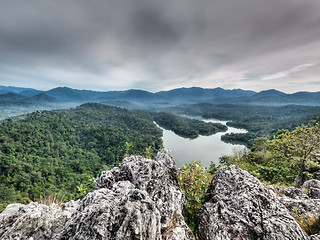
(61, 152)
(289, 158)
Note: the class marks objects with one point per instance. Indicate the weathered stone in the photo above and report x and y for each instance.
(315, 237)
(312, 183)
(295, 193)
(140, 199)
(123, 212)
(313, 188)
(34, 221)
(239, 207)
(304, 208)
(309, 208)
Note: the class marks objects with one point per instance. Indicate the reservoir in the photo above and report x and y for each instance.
(203, 148)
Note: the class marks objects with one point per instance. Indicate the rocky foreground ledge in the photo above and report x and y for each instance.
(239, 207)
(141, 199)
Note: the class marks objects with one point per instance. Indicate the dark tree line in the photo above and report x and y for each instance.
(185, 127)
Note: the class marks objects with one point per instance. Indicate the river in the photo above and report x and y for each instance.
(203, 148)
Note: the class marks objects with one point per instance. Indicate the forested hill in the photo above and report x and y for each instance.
(49, 152)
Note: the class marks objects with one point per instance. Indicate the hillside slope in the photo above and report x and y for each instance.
(50, 152)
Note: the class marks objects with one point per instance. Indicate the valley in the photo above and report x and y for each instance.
(55, 143)
(159, 120)
(261, 113)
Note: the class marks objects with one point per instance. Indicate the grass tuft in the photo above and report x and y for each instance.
(57, 199)
(309, 225)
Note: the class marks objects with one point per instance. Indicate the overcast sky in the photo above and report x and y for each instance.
(161, 44)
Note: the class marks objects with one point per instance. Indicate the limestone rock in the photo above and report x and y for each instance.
(305, 208)
(308, 208)
(123, 212)
(313, 188)
(33, 221)
(295, 193)
(140, 199)
(312, 183)
(315, 237)
(239, 207)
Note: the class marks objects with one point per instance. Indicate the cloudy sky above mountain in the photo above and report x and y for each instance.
(159, 45)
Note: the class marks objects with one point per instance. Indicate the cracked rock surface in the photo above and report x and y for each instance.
(140, 199)
(239, 207)
(34, 221)
(303, 203)
(313, 188)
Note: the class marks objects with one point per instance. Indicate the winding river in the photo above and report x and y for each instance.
(203, 148)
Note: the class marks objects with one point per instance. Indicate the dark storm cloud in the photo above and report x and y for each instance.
(160, 44)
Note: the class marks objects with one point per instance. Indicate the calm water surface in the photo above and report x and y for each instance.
(203, 148)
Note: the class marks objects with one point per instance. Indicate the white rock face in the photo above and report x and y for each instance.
(34, 221)
(121, 213)
(240, 208)
(313, 188)
(141, 199)
(303, 203)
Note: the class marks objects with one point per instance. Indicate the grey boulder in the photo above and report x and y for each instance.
(239, 207)
(140, 199)
(313, 188)
(34, 221)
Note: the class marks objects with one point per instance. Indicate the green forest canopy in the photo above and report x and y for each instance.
(54, 152)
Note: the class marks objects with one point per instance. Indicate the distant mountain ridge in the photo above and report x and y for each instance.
(10, 96)
(7, 89)
(175, 96)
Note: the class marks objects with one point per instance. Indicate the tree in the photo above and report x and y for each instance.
(298, 148)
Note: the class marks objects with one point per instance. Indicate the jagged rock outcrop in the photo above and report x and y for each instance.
(140, 199)
(295, 193)
(313, 188)
(304, 203)
(239, 207)
(300, 204)
(34, 221)
(123, 212)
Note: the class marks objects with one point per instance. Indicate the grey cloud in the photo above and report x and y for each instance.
(160, 43)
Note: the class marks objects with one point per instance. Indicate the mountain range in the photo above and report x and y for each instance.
(140, 98)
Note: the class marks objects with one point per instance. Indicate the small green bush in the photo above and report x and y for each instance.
(194, 181)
